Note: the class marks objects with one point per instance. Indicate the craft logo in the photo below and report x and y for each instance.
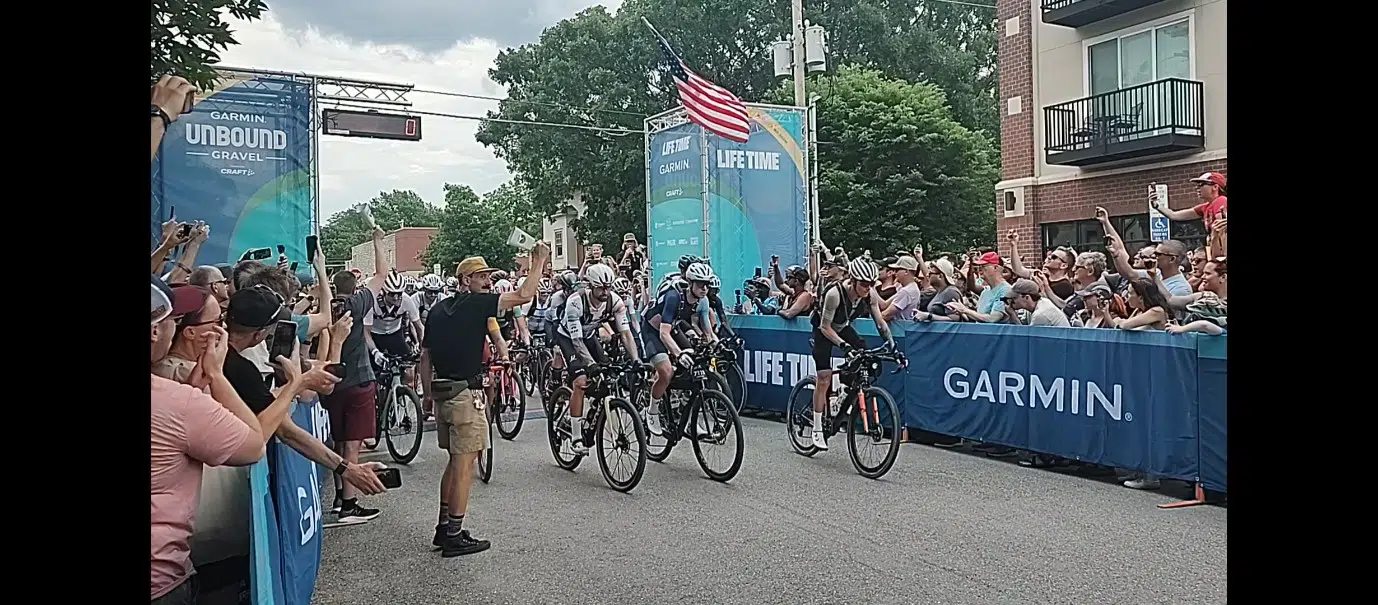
(1063, 395)
(237, 142)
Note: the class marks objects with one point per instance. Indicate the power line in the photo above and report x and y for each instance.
(962, 3)
(511, 100)
(602, 129)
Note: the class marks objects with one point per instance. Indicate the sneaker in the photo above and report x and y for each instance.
(335, 508)
(1143, 483)
(578, 447)
(356, 514)
(819, 441)
(439, 540)
(463, 544)
(653, 425)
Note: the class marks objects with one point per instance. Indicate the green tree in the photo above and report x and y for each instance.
(896, 169)
(471, 226)
(597, 69)
(188, 36)
(513, 202)
(392, 209)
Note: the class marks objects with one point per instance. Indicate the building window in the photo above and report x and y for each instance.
(1139, 56)
(559, 243)
(1087, 235)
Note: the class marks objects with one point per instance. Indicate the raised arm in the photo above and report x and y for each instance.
(527, 292)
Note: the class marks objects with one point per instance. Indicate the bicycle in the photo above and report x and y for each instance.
(727, 373)
(877, 422)
(692, 400)
(509, 392)
(601, 407)
(398, 411)
(532, 370)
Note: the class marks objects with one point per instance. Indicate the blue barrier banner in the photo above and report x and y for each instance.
(241, 162)
(298, 507)
(777, 355)
(674, 190)
(1122, 399)
(1212, 388)
(263, 546)
(758, 196)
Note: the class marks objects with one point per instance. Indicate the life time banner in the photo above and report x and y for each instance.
(241, 163)
(757, 196)
(287, 513)
(1122, 399)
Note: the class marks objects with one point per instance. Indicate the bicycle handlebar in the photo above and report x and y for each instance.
(881, 353)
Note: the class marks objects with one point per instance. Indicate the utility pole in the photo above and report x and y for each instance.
(805, 51)
(797, 39)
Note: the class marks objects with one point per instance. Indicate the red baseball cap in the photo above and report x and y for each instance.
(1211, 178)
(989, 258)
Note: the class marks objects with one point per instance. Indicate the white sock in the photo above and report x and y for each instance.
(818, 422)
(576, 427)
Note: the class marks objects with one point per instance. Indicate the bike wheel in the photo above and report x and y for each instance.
(549, 385)
(880, 429)
(381, 403)
(708, 413)
(512, 413)
(485, 457)
(565, 457)
(736, 381)
(526, 374)
(621, 432)
(799, 417)
(403, 417)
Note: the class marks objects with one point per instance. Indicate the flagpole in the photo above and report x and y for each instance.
(655, 31)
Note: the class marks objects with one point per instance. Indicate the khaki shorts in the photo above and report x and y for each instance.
(460, 428)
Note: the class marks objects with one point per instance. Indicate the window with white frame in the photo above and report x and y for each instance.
(559, 243)
(1140, 55)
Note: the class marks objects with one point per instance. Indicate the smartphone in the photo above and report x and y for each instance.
(189, 103)
(312, 242)
(337, 309)
(336, 369)
(282, 249)
(1109, 240)
(775, 258)
(391, 477)
(293, 267)
(283, 339)
(758, 271)
(184, 231)
(256, 254)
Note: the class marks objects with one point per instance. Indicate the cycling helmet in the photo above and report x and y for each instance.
(863, 270)
(502, 286)
(600, 276)
(796, 272)
(393, 284)
(452, 282)
(568, 280)
(685, 261)
(546, 286)
(622, 286)
(699, 272)
(499, 275)
(432, 283)
(714, 284)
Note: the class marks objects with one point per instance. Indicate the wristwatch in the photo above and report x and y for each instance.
(344, 466)
(157, 112)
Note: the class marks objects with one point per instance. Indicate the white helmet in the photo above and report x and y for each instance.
(452, 282)
(502, 286)
(622, 285)
(699, 272)
(432, 282)
(599, 276)
(393, 283)
(863, 270)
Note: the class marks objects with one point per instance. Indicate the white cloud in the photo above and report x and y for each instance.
(354, 170)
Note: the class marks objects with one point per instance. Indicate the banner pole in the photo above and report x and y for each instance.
(703, 165)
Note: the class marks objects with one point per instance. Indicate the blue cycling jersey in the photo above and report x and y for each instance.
(671, 307)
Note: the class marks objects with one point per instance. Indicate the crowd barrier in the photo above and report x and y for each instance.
(1147, 401)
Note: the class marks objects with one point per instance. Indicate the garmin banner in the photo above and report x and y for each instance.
(1111, 397)
(287, 514)
(241, 162)
(674, 205)
(757, 204)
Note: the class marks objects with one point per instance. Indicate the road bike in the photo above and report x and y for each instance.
(532, 371)
(694, 399)
(611, 424)
(869, 411)
(399, 414)
(727, 373)
(509, 392)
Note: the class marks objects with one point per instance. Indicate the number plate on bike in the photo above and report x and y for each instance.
(487, 380)
(699, 373)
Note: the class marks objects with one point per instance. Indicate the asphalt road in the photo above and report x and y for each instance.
(943, 527)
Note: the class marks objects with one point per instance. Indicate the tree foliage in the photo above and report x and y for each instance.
(391, 209)
(896, 169)
(602, 70)
(188, 36)
(474, 226)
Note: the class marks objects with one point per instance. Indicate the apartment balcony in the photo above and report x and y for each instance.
(1153, 119)
(1076, 13)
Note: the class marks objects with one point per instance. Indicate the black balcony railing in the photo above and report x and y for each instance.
(1076, 13)
(1159, 117)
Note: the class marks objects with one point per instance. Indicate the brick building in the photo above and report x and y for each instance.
(404, 247)
(1098, 100)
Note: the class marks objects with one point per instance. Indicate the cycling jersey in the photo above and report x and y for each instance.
(847, 310)
(582, 317)
(383, 320)
(671, 281)
(535, 314)
(507, 323)
(672, 306)
(419, 301)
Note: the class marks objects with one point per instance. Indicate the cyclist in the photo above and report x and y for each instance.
(577, 336)
(688, 303)
(565, 283)
(719, 314)
(674, 280)
(843, 301)
(535, 311)
(395, 325)
(431, 288)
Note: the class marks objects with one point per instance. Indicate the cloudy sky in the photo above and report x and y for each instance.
(446, 45)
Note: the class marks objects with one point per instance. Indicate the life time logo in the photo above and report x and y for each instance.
(234, 143)
(1063, 395)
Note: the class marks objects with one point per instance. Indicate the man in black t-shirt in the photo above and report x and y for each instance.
(452, 365)
(249, 320)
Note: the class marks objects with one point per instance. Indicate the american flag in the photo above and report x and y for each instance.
(709, 105)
